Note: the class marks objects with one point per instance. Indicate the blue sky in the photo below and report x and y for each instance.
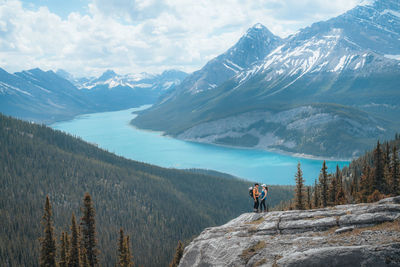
(60, 7)
(87, 37)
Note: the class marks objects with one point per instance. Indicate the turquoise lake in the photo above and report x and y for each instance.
(112, 131)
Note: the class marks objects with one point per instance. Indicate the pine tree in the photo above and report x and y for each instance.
(340, 195)
(365, 183)
(386, 158)
(121, 249)
(323, 180)
(387, 170)
(316, 195)
(395, 172)
(299, 191)
(332, 192)
(124, 252)
(387, 173)
(47, 242)
(128, 258)
(178, 255)
(89, 230)
(378, 182)
(309, 203)
(74, 255)
(354, 187)
(67, 246)
(82, 250)
(63, 251)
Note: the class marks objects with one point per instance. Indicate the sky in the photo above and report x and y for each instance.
(87, 37)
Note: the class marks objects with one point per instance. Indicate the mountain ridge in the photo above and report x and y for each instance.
(322, 63)
(48, 96)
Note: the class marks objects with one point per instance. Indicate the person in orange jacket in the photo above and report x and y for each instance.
(255, 197)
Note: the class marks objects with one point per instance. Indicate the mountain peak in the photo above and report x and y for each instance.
(64, 74)
(34, 71)
(258, 30)
(258, 26)
(107, 75)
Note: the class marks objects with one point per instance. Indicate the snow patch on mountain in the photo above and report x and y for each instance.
(6, 88)
(109, 79)
(396, 57)
(391, 12)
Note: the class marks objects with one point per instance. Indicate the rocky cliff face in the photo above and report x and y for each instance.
(346, 235)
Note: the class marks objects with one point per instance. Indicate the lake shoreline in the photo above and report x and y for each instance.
(273, 150)
(113, 132)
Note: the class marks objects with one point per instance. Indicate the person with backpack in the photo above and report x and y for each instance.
(255, 197)
(263, 197)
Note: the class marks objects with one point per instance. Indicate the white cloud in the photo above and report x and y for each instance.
(144, 35)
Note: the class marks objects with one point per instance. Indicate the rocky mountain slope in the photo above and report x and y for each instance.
(346, 235)
(348, 63)
(36, 95)
(46, 96)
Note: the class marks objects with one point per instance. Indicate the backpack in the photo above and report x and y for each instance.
(251, 192)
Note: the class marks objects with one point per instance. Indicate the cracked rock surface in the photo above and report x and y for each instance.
(345, 235)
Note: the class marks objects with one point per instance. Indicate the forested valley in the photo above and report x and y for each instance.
(154, 206)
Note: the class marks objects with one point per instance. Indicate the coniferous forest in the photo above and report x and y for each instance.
(369, 178)
(154, 206)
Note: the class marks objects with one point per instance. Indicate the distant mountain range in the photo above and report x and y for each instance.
(332, 89)
(46, 96)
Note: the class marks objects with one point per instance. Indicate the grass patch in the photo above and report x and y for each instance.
(248, 253)
(332, 230)
(276, 258)
(260, 262)
(393, 226)
(258, 221)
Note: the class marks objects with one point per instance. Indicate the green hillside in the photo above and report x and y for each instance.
(155, 206)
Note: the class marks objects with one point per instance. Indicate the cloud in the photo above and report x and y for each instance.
(144, 35)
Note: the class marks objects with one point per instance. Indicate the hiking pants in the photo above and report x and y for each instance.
(256, 203)
(263, 204)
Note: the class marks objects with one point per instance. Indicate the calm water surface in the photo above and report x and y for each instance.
(111, 131)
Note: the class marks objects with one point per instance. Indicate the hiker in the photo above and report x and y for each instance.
(263, 197)
(255, 197)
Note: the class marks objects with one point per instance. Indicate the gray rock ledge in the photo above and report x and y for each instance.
(320, 237)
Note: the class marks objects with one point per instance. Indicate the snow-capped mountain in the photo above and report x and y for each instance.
(45, 96)
(39, 96)
(109, 79)
(361, 42)
(348, 61)
(115, 91)
(253, 46)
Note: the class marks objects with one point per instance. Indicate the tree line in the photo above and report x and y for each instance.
(78, 248)
(369, 178)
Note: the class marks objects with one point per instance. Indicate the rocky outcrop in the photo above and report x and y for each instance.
(345, 235)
